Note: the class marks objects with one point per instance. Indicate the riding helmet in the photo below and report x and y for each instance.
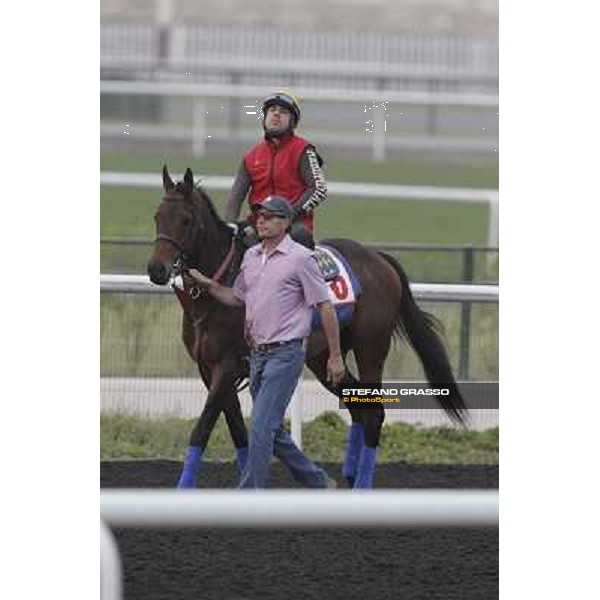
(285, 99)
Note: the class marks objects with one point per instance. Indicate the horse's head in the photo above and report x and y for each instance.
(177, 224)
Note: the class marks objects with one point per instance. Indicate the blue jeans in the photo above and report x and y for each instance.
(273, 378)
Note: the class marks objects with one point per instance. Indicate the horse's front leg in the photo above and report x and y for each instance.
(220, 391)
(237, 429)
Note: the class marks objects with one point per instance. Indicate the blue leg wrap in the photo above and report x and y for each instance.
(191, 464)
(354, 444)
(242, 457)
(366, 468)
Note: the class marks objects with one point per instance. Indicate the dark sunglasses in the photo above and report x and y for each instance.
(267, 216)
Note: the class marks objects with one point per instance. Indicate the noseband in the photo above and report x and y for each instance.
(166, 238)
(182, 257)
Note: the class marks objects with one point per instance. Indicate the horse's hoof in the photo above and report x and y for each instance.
(331, 484)
(364, 481)
(186, 483)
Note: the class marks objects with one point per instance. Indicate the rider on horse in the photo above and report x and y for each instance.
(283, 164)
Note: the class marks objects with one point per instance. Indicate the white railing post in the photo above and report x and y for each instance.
(493, 222)
(379, 131)
(199, 128)
(110, 566)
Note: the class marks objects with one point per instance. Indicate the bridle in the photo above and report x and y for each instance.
(181, 256)
(182, 259)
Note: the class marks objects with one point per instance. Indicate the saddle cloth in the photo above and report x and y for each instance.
(344, 288)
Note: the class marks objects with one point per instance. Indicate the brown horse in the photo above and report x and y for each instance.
(189, 233)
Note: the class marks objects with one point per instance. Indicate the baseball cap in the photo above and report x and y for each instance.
(276, 205)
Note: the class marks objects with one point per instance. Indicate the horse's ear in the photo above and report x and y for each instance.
(188, 180)
(167, 181)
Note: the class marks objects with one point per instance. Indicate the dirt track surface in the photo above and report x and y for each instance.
(244, 564)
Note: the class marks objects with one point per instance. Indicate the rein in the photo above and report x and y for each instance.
(195, 291)
(224, 266)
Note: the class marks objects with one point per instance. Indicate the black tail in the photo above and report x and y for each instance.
(421, 330)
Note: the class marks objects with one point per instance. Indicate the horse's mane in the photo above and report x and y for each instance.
(181, 189)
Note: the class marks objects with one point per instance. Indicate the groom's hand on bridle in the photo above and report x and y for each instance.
(188, 280)
(198, 279)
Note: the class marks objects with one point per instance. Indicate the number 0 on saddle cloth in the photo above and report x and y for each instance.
(341, 283)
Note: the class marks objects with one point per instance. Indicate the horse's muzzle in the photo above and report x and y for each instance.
(158, 273)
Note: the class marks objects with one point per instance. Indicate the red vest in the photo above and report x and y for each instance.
(275, 171)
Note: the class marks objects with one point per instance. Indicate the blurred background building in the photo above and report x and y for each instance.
(376, 77)
(457, 17)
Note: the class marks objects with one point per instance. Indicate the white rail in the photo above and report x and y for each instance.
(266, 508)
(301, 508)
(200, 93)
(339, 188)
(370, 190)
(437, 292)
(218, 90)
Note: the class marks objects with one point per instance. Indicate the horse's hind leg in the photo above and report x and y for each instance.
(355, 436)
(373, 421)
(237, 429)
(370, 362)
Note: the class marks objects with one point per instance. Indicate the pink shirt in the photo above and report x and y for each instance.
(280, 291)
